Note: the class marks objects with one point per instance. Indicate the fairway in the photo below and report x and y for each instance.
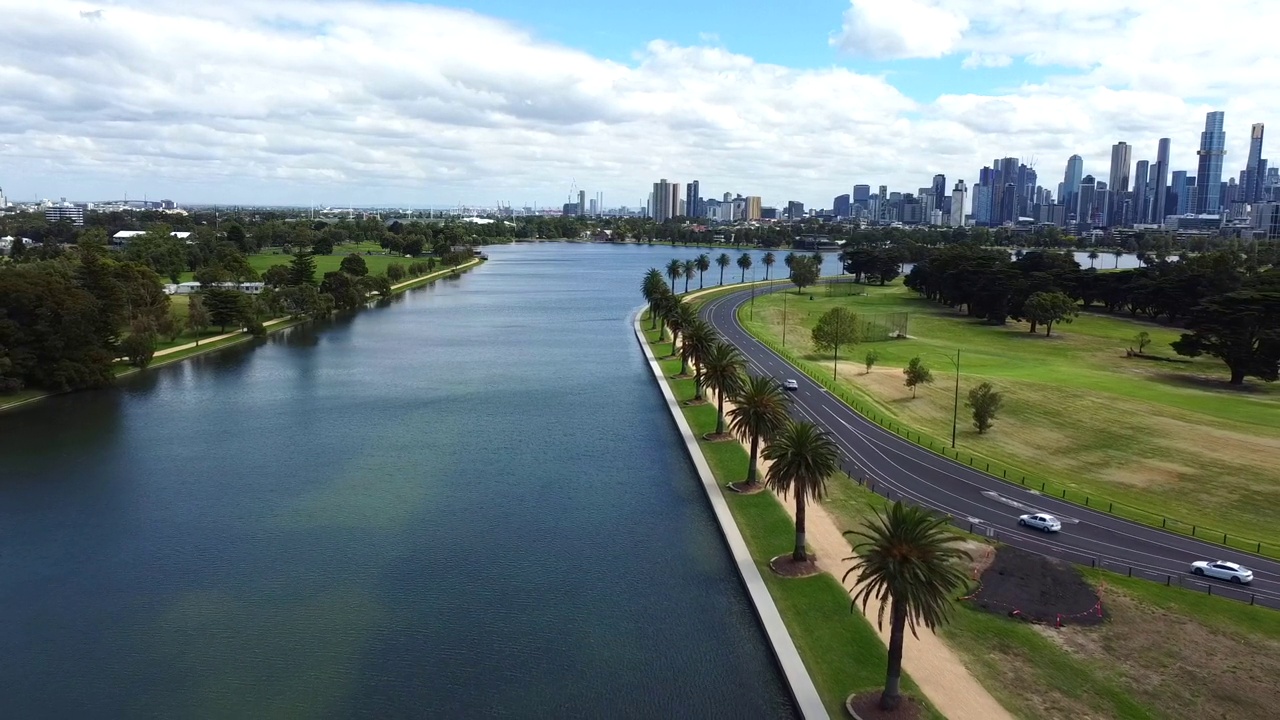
(1168, 437)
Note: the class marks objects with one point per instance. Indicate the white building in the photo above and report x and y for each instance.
(124, 236)
(957, 204)
(65, 211)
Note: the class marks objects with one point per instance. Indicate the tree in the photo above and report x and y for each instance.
(652, 288)
(277, 276)
(374, 285)
(985, 402)
(354, 265)
(1143, 339)
(695, 345)
(1239, 328)
(413, 246)
(690, 267)
(801, 458)
(304, 300)
(704, 264)
(744, 262)
(723, 260)
(760, 412)
(302, 269)
(769, 260)
(917, 374)
(804, 272)
(872, 358)
(169, 325)
(1048, 308)
(236, 236)
(396, 273)
(322, 245)
(18, 250)
(197, 317)
(907, 560)
(790, 262)
(1119, 253)
(226, 307)
(675, 270)
(1093, 258)
(139, 347)
(160, 251)
(50, 334)
(342, 288)
(722, 369)
(837, 326)
(683, 316)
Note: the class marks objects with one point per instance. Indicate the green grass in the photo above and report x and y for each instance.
(1166, 437)
(377, 263)
(841, 650)
(1163, 653)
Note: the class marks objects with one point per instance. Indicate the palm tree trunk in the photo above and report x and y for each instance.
(892, 695)
(799, 555)
(675, 335)
(700, 276)
(686, 283)
(744, 275)
(721, 274)
(653, 316)
(755, 455)
(697, 382)
(719, 412)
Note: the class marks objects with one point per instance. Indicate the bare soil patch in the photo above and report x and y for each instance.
(785, 566)
(746, 489)
(1037, 589)
(867, 707)
(717, 437)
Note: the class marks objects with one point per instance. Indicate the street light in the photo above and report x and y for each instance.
(784, 318)
(955, 409)
(751, 313)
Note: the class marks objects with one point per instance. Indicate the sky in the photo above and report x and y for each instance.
(365, 102)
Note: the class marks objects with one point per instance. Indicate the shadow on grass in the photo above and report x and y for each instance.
(1212, 384)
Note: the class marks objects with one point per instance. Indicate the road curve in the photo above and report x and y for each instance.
(901, 469)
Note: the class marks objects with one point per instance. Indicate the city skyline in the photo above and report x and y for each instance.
(237, 104)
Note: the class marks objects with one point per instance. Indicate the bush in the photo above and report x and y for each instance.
(139, 348)
(395, 272)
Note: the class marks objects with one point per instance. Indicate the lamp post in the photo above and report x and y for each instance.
(751, 313)
(784, 318)
(955, 409)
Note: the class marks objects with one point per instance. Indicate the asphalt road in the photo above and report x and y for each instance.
(901, 469)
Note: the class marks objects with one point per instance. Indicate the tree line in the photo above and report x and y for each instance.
(1228, 304)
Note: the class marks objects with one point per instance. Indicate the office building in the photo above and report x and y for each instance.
(65, 212)
(663, 207)
(1087, 215)
(1140, 209)
(693, 200)
(582, 202)
(1255, 171)
(1070, 192)
(862, 196)
(982, 204)
(594, 207)
(1118, 183)
(752, 209)
(795, 210)
(957, 204)
(939, 190)
(1213, 143)
(883, 210)
(841, 207)
(1161, 190)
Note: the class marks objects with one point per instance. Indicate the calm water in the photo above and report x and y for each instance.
(467, 502)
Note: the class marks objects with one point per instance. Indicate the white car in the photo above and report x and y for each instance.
(790, 385)
(1041, 521)
(1223, 570)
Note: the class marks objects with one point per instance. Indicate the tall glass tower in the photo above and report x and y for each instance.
(1162, 179)
(1256, 169)
(1213, 146)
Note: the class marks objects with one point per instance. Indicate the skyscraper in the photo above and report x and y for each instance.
(939, 189)
(1255, 171)
(957, 204)
(1162, 181)
(840, 207)
(582, 202)
(1213, 142)
(1087, 214)
(692, 200)
(1141, 209)
(663, 209)
(1070, 193)
(753, 207)
(1118, 184)
(1003, 204)
(677, 199)
(862, 196)
(884, 203)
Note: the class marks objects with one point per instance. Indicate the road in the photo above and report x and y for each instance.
(902, 469)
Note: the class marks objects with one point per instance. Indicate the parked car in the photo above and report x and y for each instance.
(1223, 570)
(790, 385)
(1041, 521)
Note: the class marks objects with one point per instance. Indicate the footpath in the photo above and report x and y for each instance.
(281, 323)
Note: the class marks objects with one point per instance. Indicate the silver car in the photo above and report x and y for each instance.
(1041, 521)
(1223, 570)
(790, 385)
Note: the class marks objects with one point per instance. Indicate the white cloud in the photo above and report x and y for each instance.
(360, 102)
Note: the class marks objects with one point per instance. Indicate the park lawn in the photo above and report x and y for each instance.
(1078, 413)
(840, 649)
(1163, 653)
(376, 263)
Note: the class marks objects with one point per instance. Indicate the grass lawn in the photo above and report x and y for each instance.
(1164, 653)
(377, 263)
(1168, 437)
(840, 648)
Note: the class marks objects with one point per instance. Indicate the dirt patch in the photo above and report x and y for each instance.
(717, 437)
(786, 566)
(1036, 588)
(1146, 474)
(867, 707)
(746, 489)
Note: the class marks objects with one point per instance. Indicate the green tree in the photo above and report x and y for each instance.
(675, 270)
(342, 288)
(804, 272)
(1143, 339)
(236, 236)
(18, 250)
(50, 334)
(160, 251)
(1048, 308)
(322, 245)
(302, 269)
(652, 288)
(744, 262)
(354, 265)
(723, 260)
(917, 374)
(169, 325)
(396, 272)
(722, 373)
(682, 316)
(985, 402)
(696, 343)
(872, 358)
(801, 458)
(760, 412)
(304, 301)
(1093, 258)
(277, 276)
(769, 260)
(907, 561)
(226, 307)
(139, 347)
(837, 326)
(197, 316)
(704, 264)
(690, 267)
(1241, 328)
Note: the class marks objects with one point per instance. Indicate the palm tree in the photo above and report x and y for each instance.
(906, 560)
(802, 458)
(1119, 253)
(789, 261)
(1093, 257)
(704, 264)
(681, 318)
(666, 307)
(759, 413)
(723, 261)
(769, 260)
(675, 269)
(699, 339)
(744, 262)
(690, 267)
(652, 288)
(722, 368)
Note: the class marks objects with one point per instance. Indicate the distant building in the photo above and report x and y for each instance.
(841, 207)
(862, 196)
(753, 207)
(65, 211)
(957, 204)
(1213, 143)
(795, 210)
